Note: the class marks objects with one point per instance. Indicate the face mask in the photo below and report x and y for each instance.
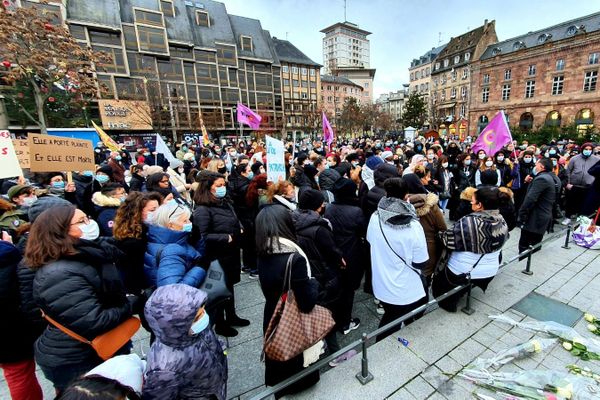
(186, 227)
(58, 185)
(233, 154)
(554, 162)
(331, 164)
(481, 156)
(97, 151)
(355, 164)
(180, 170)
(546, 154)
(250, 175)
(122, 199)
(535, 171)
(552, 152)
(87, 173)
(184, 148)
(489, 163)
(150, 217)
(306, 162)
(146, 154)
(430, 156)
(28, 201)
(220, 192)
(527, 160)
(390, 162)
(586, 153)
(118, 158)
(467, 162)
(222, 170)
(522, 147)
(102, 178)
(445, 165)
(200, 325)
(500, 159)
(89, 231)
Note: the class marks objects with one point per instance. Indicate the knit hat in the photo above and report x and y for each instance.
(587, 144)
(106, 170)
(373, 162)
(256, 167)
(489, 177)
(310, 199)
(176, 163)
(16, 191)
(344, 188)
(386, 154)
(43, 204)
(154, 169)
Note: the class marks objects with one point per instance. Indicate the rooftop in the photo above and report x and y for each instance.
(338, 79)
(428, 57)
(564, 30)
(347, 25)
(288, 53)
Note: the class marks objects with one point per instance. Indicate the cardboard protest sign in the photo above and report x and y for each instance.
(22, 151)
(275, 160)
(9, 164)
(54, 153)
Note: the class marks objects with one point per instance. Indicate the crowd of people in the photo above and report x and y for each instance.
(401, 220)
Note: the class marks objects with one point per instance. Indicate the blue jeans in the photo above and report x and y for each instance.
(443, 204)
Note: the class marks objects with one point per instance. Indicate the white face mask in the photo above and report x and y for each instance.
(500, 159)
(445, 165)
(89, 231)
(489, 163)
(481, 156)
(28, 201)
(150, 217)
(200, 325)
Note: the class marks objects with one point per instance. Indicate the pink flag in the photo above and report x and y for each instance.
(495, 135)
(246, 116)
(327, 131)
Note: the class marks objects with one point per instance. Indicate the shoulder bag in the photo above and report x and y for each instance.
(416, 271)
(291, 331)
(108, 343)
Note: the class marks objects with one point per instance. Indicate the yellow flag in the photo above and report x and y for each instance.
(107, 140)
(205, 138)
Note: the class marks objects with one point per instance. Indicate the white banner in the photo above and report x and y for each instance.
(162, 148)
(9, 163)
(275, 160)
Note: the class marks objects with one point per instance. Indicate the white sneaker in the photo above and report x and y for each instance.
(566, 221)
(354, 324)
(376, 301)
(380, 309)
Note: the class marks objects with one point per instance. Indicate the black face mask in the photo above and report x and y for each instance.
(222, 170)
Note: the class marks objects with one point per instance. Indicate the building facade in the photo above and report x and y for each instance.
(187, 60)
(301, 87)
(420, 72)
(543, 78)
(363, 77)
(334, 92)
(451, 75)
(393, 104)
(345, 45)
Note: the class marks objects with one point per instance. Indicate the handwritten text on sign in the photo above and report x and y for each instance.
(22, 151)
(9, 165)
(53, 153)
(275, 160)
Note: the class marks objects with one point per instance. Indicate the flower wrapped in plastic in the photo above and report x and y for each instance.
(523, 350)
(535, 384)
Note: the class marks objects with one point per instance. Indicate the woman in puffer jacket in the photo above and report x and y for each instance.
(169, 257)
(106, 202)
(186, 361)
(76, 284)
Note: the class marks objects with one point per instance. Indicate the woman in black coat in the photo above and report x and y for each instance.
(17, 334)
(138, 180)
(77, 285)
(217, 233)
(272, 224)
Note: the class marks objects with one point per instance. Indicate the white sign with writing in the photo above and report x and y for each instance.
(9, 163)
(275, 160)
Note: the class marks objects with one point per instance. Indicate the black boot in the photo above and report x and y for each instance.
(237, 321)
(223, 329)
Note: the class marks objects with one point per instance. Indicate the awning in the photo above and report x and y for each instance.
(449, 105)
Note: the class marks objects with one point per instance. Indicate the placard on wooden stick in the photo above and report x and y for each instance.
(22, 151)
(53, 153)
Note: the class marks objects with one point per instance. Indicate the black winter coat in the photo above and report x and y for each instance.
(238, 186)
(84, 293)
(536, 212)
(17, 333)
(137, 183)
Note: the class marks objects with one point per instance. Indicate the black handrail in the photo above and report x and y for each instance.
(364, 376)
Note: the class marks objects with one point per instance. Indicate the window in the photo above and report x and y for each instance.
(418, 75)
(463, 92)
(115, 62)
(443, 95)
(589, 82)
(284, 69)
(312, 72)
(593, 58)
(141, 65)
(209, 95)
(226, 55)
(453, 93)
(286, 82)
(557, 85)
(181, 52)
(506, 92)
(206, 74)
(507, 74)
(148, 17)
(526, 121)
(152, 39)
(531, 70)
(264, 82)
(584, 121)
(553, 119)
(104, 37)
(446, 62)
(437, 65)
(560, 64)
(295, 83)
(467, 56)
(106, 86)
(454, 75)
(294, 70)
(202, 18)
(77, 31)
(170, 70)
(529, 89)
(456, 59)
(304, 71)
(463, 110)
(129, 89)
(130, 37)
(465, 73)
(201, 55)
(366, 85)
(246, 43)
(486, 79)
(412, 76)
(166, 6)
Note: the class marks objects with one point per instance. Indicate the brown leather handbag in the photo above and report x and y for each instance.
(291, 331)
(108, 343)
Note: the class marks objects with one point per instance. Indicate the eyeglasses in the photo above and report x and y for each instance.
(83, 220)
(174, 211)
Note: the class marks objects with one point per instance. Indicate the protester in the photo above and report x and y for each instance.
(282, 193)
(138, 178)
(579, 182)
(106, 202)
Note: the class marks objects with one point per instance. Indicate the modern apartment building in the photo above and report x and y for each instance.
(543, 78)
(334, 92)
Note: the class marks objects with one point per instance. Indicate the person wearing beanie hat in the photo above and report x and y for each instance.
(327, 179)
(311, 199)
(387, 156)
(21, 195)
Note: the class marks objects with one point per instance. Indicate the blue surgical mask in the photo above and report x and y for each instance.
(102, 178)
(467, 162)
(87, 173)
(122, 199)
(250, 175)
(58, 185)
(552, 152)
(187, 227)
(534, 172)
(118, 158)
(586, 153)
(146, 154)
(527, 160)
(220, 192)
(200, 325)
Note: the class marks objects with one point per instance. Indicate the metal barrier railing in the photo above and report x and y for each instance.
(364, 376)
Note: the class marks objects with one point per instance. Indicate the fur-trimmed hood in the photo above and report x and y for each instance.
(507, 191)
(467, 194)
(423, 202)
(104, 201)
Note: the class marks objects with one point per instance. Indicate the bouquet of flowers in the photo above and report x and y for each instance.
(594, 323)
(523, 350)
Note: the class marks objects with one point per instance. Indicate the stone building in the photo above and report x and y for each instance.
(334, 92)
(451, 76)
(543, 78)
(420, 73)
(393, 104)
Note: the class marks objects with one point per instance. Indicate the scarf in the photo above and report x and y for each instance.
(396, 213)
(480, 232)
(287, 246)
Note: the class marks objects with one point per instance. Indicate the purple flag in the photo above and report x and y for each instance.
(327, 131)
(495, 135)
(246, 116)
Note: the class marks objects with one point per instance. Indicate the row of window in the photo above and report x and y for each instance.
(584, 120)
(297, 83)
(457, 59)
(453, 75)
(344, 89)
(453, 93)
(423, 73)
(590, 81)
(303, 71)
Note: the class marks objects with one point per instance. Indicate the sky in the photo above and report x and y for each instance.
(403, 30)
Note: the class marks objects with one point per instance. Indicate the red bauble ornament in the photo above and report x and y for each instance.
(6, 3)
(48, 27)
(20, 95)
(6, 63)
(51, 99)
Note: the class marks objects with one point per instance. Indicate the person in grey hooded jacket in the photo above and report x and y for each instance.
(187, 360)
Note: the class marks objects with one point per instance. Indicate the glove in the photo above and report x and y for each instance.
(136, 304)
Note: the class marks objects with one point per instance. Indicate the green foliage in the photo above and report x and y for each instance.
(415, 111)
(546, 134)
